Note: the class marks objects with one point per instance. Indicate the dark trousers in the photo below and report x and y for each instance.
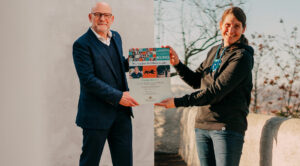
(119, 137)
(219, 147)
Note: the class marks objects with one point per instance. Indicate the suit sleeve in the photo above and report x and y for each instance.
(238, 68)
(92, 84)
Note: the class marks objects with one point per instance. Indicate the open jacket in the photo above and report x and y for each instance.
(99, 94)
(224, 95)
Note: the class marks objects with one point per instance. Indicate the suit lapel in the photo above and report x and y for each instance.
(119, 50)
(98, 45)
(118, 44)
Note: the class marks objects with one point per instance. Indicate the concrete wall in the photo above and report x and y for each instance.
(269, 140)
(39, 86)
(167, 126)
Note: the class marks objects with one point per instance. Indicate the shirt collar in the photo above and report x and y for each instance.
(102, 39)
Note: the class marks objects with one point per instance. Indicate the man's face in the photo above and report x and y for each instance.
(101, 18)
(136, 70)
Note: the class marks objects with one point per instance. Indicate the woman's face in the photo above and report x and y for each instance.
(231, 29)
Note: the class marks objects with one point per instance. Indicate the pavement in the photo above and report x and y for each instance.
(168, 159)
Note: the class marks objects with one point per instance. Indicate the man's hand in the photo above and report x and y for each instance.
(167, 103)
(127, 100)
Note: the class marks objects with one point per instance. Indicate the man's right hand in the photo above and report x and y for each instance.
(127, 100)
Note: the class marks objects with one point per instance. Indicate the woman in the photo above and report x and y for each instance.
(225, 83)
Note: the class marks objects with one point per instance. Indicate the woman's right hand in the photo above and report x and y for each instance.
(174, 60)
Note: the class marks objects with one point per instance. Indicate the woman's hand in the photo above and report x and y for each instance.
(174, 60)
(167, 103)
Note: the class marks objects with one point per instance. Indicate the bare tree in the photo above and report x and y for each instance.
(262, 45)
(289, 65)
(206, 20)
(159, 21)
(282, 88)
(195, 25)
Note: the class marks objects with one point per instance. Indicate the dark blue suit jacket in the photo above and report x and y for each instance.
(99, 96)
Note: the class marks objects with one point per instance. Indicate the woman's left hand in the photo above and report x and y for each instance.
(167, 103)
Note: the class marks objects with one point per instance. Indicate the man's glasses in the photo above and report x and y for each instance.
(99, 15)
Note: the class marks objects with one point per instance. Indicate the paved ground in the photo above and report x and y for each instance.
(168, 159)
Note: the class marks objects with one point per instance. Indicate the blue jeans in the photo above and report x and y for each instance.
(219, 147)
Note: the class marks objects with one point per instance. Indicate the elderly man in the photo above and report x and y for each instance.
(104, 108)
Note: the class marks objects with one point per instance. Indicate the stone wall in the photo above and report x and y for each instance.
(269, 140)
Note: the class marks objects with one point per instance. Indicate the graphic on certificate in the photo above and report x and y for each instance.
(149, 74)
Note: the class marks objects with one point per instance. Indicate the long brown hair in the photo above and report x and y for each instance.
(239, 15)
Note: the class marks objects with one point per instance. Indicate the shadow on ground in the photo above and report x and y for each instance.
(168, 159)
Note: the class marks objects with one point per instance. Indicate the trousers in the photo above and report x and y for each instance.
(119, 138)
(219, 147)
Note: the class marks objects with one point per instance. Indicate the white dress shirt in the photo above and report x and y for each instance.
(102, 39)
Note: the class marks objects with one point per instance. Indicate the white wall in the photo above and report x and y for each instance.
(39, 85)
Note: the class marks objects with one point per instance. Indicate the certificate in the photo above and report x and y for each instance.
(149, 74)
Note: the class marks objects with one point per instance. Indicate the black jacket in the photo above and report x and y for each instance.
(224, 95)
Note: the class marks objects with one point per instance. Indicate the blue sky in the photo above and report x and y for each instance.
(264, 15)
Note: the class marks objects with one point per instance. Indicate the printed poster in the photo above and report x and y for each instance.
(149, 74)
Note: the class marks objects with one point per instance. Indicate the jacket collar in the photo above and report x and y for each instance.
(98, 45)
(102, 39)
